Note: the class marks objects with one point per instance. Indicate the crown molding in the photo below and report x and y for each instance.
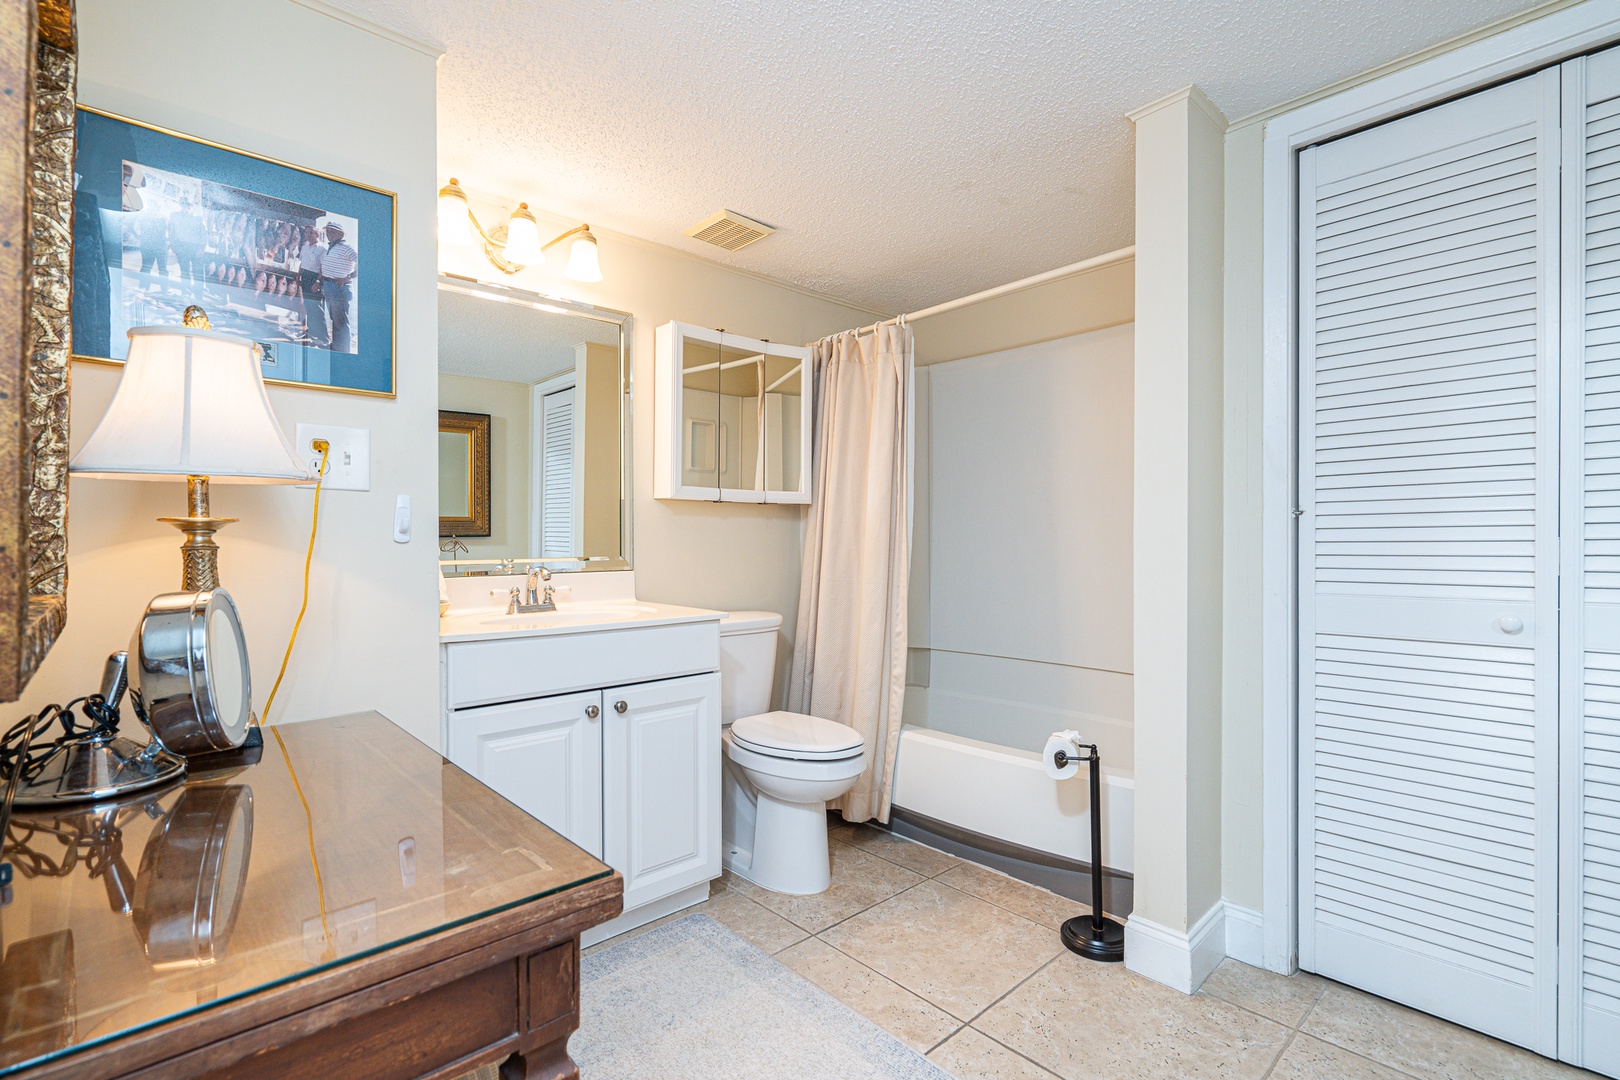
(1407, 61)
(1190, 94)
(426, 48)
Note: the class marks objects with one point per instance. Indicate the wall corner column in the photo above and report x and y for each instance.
(1176, 934)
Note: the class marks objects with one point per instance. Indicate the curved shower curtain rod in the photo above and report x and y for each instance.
(1001, 290)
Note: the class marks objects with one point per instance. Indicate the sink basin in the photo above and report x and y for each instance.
(571, 615)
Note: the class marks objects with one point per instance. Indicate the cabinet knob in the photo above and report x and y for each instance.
(1510, 624)
(593, 711)
(621, 707)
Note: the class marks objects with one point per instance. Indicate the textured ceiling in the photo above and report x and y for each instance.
(908, 152)
(486, 339)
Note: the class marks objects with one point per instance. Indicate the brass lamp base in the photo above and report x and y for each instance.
(199, 555)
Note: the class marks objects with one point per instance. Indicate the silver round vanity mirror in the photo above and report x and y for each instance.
(189, 661)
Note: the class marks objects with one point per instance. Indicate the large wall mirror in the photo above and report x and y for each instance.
(550, 380)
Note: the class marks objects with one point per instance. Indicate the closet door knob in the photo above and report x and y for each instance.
(1510, 624)
(621, 707)
(593, 711)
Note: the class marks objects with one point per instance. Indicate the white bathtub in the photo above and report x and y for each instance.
(1005, 793)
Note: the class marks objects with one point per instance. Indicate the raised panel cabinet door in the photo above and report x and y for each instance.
(661, 785)
(1428, 559)
(543, 755)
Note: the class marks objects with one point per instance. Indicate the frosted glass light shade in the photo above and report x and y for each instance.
(523, 238)
(582, 261)
(190, 403)
(455, 216)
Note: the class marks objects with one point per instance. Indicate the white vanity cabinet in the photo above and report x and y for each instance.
(625, 765)
(661, 785)
(545, 755)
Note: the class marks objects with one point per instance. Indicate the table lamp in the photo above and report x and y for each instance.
(191, 405)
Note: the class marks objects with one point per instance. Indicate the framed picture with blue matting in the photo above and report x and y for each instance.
(297, 260)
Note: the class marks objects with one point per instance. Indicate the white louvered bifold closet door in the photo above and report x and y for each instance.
(1428, 560)
(557, 476)
(1590, 637)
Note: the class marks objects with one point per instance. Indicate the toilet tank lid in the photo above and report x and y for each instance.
(747, 622)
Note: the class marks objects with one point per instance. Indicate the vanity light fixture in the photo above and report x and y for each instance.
(516, 244)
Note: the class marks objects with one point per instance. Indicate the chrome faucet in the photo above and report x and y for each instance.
(519, 604)
(536, 602)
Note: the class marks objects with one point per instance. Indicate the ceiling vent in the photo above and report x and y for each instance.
(730, 230)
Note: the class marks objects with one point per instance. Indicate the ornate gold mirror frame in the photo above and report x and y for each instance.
(37, 81)
(475, 426)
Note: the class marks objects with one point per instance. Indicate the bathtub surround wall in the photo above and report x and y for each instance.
(1091, 299)
(1176, 934)
(1028, 517)
(371, 637)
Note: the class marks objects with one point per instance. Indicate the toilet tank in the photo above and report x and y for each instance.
(747, 663)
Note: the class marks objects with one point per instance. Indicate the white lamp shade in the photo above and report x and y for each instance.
(455, 221)
(582, 262)
(190, 403)
(523, 238)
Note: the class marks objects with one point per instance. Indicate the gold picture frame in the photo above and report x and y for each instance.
(38, 78)
(393, 270)
(473, 478)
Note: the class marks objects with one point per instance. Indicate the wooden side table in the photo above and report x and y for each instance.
(412, 924)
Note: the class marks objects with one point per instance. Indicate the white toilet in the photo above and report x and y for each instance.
(780, 768)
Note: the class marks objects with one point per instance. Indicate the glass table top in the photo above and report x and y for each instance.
(126, 914)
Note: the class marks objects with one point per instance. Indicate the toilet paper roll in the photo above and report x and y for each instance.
(1069, 743)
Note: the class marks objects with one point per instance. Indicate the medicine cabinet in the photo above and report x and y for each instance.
(733, 417)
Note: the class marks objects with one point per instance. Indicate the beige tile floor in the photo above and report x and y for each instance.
(965, 965)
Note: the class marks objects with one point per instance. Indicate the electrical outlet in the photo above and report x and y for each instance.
(348, 463)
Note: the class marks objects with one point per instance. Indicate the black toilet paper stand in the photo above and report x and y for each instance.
(1095, 937)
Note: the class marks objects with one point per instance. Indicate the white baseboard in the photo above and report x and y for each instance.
(1245, 934)
(645, 914)
(1181, 961)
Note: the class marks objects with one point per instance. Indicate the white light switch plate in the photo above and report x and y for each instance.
(348, 467)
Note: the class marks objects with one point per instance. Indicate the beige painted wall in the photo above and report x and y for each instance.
(1091, 300)
(597, 403)
(1177, 546)
(707, 554)
(507, 404)
(1241, 758)
(370, 639)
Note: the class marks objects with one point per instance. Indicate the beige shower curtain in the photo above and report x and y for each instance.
(849, 655)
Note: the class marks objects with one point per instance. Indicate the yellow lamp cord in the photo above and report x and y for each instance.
(330, 952)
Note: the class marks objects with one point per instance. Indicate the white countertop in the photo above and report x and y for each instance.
(569, 618)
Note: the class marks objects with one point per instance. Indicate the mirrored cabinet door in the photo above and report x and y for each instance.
(733, 418)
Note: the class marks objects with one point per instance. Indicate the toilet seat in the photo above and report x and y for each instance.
(796, 737)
